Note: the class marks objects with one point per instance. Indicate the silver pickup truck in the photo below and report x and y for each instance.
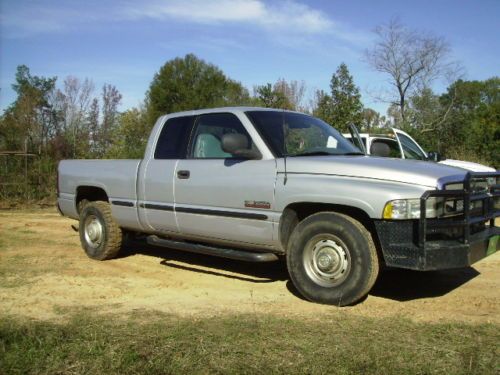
(256, 184)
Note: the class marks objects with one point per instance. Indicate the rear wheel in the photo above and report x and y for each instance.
(100, 236)
(332, 259)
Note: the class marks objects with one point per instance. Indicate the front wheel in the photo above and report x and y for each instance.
(332, 259)
(100, 236)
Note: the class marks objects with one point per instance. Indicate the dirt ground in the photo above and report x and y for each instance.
(44, 274)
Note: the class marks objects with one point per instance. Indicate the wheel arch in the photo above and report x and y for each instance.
(295, 212)
(90, 193)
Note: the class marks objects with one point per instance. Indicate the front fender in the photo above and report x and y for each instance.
(368, 195)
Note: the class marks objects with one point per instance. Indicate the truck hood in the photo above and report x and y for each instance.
(468, 165)
(398, 170)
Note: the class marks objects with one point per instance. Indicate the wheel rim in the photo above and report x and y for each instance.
(327, 260)
(94, 231)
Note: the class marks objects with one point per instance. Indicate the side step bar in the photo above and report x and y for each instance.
(243, 255)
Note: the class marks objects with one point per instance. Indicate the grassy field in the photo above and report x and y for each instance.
(146, 343)
(163, 312)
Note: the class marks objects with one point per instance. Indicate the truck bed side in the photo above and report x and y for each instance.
(117, 179)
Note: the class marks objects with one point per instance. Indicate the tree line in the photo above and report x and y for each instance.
(51, 120)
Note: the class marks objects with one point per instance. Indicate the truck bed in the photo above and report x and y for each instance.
(118, 178)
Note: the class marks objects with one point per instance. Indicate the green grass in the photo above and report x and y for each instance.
(18, 238)
(150, 343)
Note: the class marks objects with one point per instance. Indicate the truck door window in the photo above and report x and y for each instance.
(393, 147)
(209, 130)
(410, 149)
(173, 139)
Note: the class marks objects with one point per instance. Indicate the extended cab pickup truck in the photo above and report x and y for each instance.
(256, 184)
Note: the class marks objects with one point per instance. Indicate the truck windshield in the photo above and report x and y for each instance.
(296, 134)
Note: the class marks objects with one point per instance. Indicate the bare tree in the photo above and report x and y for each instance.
(371, 119)
(93, 121)
(78, 96)
(71, 104)
(413, 60)
(293, 91)
(111, 99)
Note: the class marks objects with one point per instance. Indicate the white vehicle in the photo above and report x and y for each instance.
(401, 145)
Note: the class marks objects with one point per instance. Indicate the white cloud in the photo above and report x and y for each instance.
(281, 19)
(198, 11)
(288, 15)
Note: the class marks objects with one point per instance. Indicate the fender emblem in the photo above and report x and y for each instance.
(258, 204)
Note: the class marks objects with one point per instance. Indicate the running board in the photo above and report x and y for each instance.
(243, 255)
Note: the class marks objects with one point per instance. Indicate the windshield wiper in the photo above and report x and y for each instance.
(351, 153)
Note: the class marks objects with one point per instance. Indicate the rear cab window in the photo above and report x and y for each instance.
(174, 138)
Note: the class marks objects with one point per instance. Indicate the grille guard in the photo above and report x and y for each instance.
(467, 195)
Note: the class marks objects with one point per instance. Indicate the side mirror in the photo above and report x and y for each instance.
(237, 145)
(434, 156)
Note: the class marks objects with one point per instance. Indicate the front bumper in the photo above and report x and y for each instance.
(438, 244)
(399, 241)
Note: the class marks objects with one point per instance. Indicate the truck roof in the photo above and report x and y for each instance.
(226, 109)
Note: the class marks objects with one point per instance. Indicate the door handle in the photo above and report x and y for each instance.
(183, 175)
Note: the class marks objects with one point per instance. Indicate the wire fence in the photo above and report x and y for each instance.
(26, 177)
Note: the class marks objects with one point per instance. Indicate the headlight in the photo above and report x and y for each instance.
(401, 209)
(480, 184)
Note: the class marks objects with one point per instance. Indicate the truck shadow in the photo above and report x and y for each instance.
(394, 284)
(210, 265)
(405, 285)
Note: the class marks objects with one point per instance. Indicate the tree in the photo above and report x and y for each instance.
(131, 137)
(269, 97)
(51, 124)
(191, 83)
(344, 105)
(28, 118)
(426, 113)
(71, 106)
(468, 126)
(93, 124)
(411, 59)
(472, 129)
(322, 106)
(26, 125)
(371, 120)
(111, 99)
(293, 91)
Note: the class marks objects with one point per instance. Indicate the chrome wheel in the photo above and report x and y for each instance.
(94, 231)
(327, 260)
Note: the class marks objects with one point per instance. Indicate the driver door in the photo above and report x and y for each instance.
(220, 196)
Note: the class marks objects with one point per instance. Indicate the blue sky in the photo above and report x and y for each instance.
(253, 41)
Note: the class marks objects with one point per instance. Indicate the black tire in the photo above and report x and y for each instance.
(100, 236)
(332, 259)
